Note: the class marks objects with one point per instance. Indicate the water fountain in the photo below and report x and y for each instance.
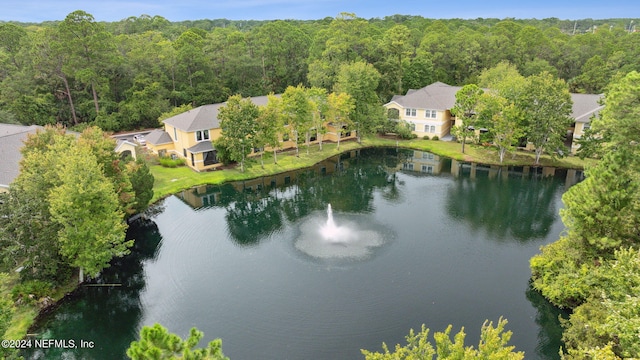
(354, 237)
(335, 234)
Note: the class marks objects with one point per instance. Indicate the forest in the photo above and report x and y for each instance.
(83, 74)
(123, 75)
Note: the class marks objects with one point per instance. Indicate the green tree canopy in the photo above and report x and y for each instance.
(492, 345)
(360, 80)
(466, 109)
(547, 106)
(238, 123)
(156, 342)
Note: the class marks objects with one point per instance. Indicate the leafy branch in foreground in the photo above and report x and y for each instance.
(492, 345)
(156, 342)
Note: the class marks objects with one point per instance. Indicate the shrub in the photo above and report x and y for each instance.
(403, 130)
(435, 137)
(426, 137)
(171, 163)
(32, 290)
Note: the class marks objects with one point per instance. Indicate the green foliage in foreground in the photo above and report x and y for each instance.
(492, 345)
(67, 207)
(157, 343)
(595, 267)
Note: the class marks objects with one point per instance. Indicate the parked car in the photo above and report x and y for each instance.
(140, 139)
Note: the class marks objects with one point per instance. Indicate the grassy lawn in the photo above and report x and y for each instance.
(25, 314)
(172, 180)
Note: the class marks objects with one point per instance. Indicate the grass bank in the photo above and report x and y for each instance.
(172, 180)
(25, 314)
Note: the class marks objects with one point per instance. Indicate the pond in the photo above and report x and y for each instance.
(266, 265)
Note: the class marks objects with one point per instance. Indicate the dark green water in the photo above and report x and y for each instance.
(429, 241)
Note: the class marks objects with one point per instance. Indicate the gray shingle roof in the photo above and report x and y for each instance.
(200, 118)
(585, 105)
(204, 117)
(437, 96)
(201, 147)
(440, 96)
(12, 139)
(158, 137)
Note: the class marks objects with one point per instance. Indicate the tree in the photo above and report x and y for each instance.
(11, 41)
(593, 78)
(157, 343)
(238, 123)
(66, 208)
(360, 80)
(112, 166)
(492, 345)
(503, 119)
(595, 267)
(283, 49)
(90, 48)
(86, 206)
(269, 125)
(339, 112)
(465, 108)
(142, 184)
(346, 40)
(547, 107)
(6, 314)
(497, 77)
(49, 58)
(319, 106)
(619, 122)
(395, 43)
(28, 232)
(296, 110)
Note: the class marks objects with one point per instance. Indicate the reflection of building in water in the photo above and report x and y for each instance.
(473, 170)
(214, 195)
(423, 162)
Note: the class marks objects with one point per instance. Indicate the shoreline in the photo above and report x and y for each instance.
(173, 180)
(166, 185)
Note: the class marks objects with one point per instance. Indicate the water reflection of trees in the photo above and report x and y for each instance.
(514, 205)
(255, 209)
(548, 318)
(102, 312)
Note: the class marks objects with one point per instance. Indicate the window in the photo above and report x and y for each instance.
(210, 157)
(410, 112)
(407, 166)
(427, 169)
(175, 134)
(433, 128)
(586, 126)
(202, 135)
(433, 114)
(426, 128)
(412, 126)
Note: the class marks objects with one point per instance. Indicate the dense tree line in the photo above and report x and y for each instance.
(124, 75)
(595, 266)
(514, 109)
(67, 209)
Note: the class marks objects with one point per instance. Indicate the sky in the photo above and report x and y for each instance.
(178, 10)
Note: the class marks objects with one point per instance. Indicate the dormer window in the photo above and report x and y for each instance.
(202, 135)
